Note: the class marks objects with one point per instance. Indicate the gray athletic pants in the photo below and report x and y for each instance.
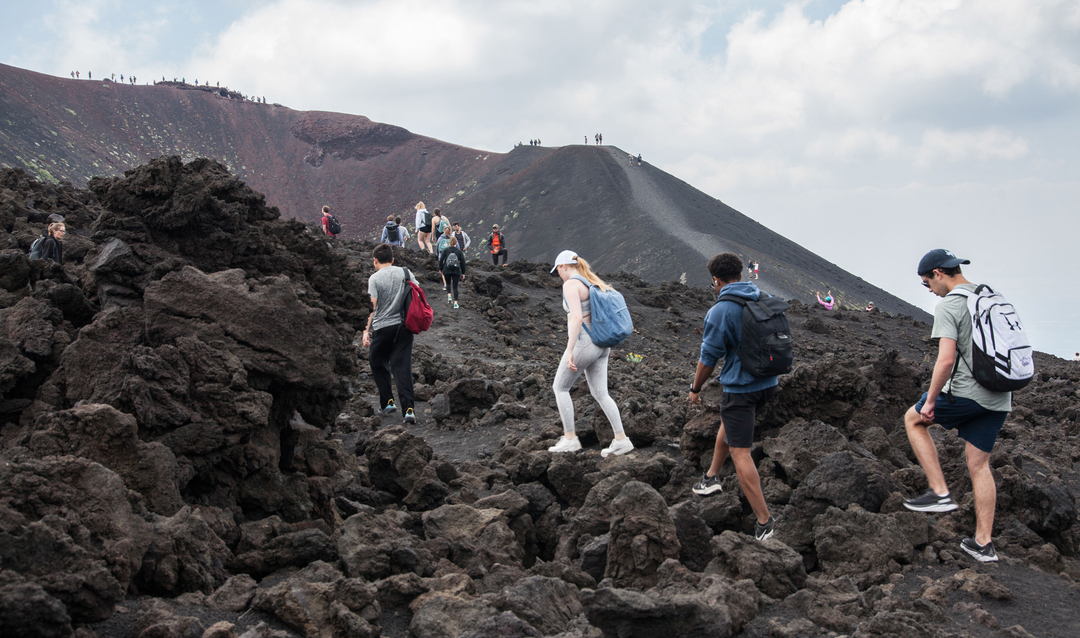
(593, 361)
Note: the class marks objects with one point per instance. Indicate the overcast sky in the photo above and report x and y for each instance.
(869, 132)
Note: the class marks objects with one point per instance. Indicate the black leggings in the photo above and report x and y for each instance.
(495, 256)
(452, 282)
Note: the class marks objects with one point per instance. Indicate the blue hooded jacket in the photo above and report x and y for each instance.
(723, 336)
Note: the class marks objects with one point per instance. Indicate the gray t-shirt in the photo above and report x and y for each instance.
(387, 286)
(952, 320)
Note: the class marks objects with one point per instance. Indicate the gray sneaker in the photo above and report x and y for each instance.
(982, 553)
(930, 502)
(764, 532)
(708, 485)
(390, 408)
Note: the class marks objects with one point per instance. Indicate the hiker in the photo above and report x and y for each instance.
(462, 237)
(827, 301)
(750, 268)
(955, 400)
(439, 224)
(870, 307)
(327, 226)
(1077, 357)
(391, 233)
(389, 343)
(497, 242)
(639, 159)
(423, 228)
(756, 275)
(452, 267)
(629, 159)
(53, 246)
(582, 355)
(743, 395)
(405, 237)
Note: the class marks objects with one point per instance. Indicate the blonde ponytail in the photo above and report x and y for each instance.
(589, 275)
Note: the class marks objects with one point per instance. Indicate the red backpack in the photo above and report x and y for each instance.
(415, 311)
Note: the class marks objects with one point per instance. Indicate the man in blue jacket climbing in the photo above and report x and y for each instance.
(743, 395)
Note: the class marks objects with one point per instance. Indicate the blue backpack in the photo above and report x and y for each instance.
(611, 322)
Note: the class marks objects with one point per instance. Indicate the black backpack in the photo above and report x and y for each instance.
(765, 350)
(427, 219)
(392, 233)
(453, 264)
(334, 226)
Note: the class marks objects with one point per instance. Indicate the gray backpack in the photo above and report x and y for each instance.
(37, 247)
(453, 265)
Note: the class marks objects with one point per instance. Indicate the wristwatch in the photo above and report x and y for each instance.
(693, 390)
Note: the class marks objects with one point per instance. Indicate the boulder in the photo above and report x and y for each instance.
(320, 602)
(235, 595)
(547, 604)
(693, 533)
(72, 527)
(775, 568)
(798, 447)
(26, 609)
(642, 536)
(184, 556)
(865, 546)
(444, 615)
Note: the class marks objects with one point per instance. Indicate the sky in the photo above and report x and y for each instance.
(868, 131)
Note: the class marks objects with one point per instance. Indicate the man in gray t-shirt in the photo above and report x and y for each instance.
(956, 401)
(389, 343)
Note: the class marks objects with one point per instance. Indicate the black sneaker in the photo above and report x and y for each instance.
(764, 532)
(708, 485)
(982, 553)
(390, 408)
(410, 416)
(930, 502)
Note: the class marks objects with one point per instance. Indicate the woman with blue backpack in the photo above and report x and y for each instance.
(583, 355)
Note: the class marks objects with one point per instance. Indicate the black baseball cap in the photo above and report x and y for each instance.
(939, 258)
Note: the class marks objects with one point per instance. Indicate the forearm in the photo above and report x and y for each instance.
(573, 331)
(702, 375)
(942, 371)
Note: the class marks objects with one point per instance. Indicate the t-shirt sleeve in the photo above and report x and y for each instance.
(372, 289)
(947, 317)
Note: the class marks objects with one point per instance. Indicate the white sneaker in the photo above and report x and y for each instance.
(566, 445)
(617, 448)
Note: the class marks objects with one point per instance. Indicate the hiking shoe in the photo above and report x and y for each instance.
(982, 553)
(410, 416)
(617, 448)
(390, 408)
(566, 445)
(928, 501)
(449, 298)
(455, 304)
(764, 532)
(708, 485)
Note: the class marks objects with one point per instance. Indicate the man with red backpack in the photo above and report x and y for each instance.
(497, 243)
(388, 341)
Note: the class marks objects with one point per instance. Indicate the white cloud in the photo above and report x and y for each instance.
(956, 146)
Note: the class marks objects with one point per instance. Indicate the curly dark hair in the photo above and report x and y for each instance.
(727, 267)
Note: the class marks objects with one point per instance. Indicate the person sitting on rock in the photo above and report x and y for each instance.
(827, 301)
(870, 307)
(582, 355)
(497, 244)
(743, 395)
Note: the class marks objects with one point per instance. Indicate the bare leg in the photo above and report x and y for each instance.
(984, 490)
(720, 452)
(750, 482)
(925, 450)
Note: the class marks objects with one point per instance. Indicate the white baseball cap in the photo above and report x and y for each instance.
(565, 258)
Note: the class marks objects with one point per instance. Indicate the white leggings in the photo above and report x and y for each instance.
(592, 360)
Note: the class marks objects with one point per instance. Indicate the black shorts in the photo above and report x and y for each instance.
(738, 411)
(424, 229)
